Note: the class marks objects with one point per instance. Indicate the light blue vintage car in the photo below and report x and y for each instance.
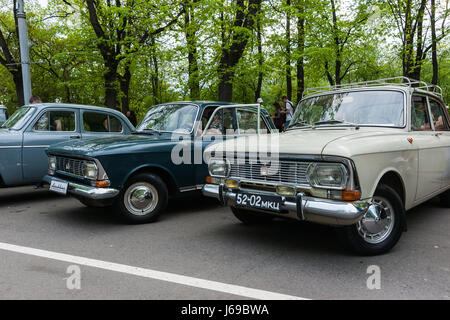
(26, 135)
(4, 115)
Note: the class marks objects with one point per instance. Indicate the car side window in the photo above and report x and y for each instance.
(62, 121)
(438, 116)
(114, 124)
(221, 123)
(420, 119)
(98, 122)
(248, 123)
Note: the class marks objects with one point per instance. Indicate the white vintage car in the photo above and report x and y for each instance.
(356, 156)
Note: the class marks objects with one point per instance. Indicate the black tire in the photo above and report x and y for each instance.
(445, 199)
(250, 217)
(352, 235)
(152, 195)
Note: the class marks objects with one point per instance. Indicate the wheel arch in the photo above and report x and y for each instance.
(162, 172)
(393, 179)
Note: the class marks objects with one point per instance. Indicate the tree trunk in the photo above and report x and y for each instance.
(301, 52)
(434, 59)
(190, 30)
(125, 81)
(288, 51)
(232, 54)
(337, 42)
(408, 40)
(226, 86)
(416, 68)
(110, 78)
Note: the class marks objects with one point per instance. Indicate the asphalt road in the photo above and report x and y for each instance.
(201, 240)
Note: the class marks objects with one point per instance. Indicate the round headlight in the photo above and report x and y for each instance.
(52, 164)
(327, 175)
(218, 168)
(90, 170)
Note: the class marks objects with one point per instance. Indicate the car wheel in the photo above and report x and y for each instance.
(143, 199)
(250, 217)
(445, 198)
(380, 228)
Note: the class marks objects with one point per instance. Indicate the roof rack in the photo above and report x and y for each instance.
(396, 81)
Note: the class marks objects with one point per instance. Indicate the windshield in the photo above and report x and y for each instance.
(19, 118)
(370, 108)
(170, 118)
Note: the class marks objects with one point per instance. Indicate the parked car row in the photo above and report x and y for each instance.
(355, 157)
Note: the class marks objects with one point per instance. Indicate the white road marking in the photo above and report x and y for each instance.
(152, 274)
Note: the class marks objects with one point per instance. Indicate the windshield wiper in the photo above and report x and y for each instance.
(334, 121)
(299, 124)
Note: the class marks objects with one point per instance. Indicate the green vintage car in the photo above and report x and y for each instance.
(137, 174)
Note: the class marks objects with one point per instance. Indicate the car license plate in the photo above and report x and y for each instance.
(59, 187)
(258, 201)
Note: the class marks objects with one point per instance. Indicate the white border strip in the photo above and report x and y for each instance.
(152, 274)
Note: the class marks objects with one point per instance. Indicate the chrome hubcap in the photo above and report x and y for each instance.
(378, 222)
(141, 198)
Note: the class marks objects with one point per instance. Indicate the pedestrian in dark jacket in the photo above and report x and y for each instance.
(279, 117)
(131, 115)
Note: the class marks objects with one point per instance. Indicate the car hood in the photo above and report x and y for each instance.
(319, 141)
(108, 145)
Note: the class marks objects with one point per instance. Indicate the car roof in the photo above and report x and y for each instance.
(405, 89)
(200, 103)
(74, 106)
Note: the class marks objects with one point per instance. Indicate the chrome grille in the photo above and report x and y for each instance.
(71, 166)
(291, 172)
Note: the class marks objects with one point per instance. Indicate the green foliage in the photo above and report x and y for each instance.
(68, 63)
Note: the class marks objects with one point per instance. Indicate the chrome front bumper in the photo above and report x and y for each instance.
(324, 211)
(85, 191)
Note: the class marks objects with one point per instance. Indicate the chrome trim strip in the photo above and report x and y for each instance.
(42, 146)
(10, 147)
(192, 188)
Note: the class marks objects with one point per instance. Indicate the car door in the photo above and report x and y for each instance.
(227, 123)
(51, 126)
(96, 124)
(441, 125)
(429, 175)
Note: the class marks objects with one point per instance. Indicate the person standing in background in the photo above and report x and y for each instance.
(131, 115)
(279, 118)
(35, 100)
(288, 111)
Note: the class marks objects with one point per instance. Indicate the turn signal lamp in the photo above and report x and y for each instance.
(350, 195)
(102, 184)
